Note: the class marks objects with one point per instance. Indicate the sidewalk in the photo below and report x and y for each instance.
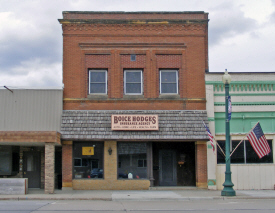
(143, 195)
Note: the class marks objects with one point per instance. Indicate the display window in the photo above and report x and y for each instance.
(132, 160)
(88, 160)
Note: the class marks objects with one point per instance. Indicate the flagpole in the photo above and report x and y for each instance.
(220, 148)
(214, 139)
(237, 146)
(243, 139)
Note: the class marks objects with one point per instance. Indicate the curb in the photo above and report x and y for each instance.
(136, 199)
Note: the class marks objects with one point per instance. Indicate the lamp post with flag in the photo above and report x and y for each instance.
(228, 185)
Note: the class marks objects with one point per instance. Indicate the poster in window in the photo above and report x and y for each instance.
(87, 150)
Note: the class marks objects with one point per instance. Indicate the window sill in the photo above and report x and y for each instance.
(97, 97)
(169, 96)
(133, 97)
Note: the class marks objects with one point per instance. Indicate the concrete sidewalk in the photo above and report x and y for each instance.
(142, 195)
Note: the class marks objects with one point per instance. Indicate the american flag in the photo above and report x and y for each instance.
(258, 141)
(210, 137)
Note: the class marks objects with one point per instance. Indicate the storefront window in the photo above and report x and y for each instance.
(244, 154)
(132, 160)
(5, 160)
(88, 160)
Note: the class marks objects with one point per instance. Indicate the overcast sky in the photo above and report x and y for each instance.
(241, 35)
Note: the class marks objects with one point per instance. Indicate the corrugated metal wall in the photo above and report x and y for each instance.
(31, 109)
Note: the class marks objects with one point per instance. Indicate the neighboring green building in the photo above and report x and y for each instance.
(253, 100)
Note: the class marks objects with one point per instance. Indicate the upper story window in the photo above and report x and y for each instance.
(133, 82)
(97, 81)
(168, 81)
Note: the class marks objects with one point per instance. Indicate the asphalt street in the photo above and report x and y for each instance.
(186, 206)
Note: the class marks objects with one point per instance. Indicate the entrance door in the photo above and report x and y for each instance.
(168, 169)
(31, 168)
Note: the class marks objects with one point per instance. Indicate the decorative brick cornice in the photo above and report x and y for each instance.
(133, 45)
(30, 136)
(142, 27)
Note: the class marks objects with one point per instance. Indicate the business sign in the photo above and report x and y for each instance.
(135, 122)
(87, 150)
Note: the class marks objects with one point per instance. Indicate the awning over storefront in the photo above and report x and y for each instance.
(96, 125)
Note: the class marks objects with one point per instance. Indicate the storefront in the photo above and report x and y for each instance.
(97, 157)
(252, 98)
(30, 145)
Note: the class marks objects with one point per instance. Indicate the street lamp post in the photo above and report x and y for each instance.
(228, 185)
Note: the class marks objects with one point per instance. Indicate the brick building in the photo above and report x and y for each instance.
(134, 99)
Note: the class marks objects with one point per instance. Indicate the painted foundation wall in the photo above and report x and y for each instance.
(256, 176)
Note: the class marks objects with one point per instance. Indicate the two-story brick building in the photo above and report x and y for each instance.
(134, 99)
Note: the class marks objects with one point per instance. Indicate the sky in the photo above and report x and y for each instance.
(241, 35)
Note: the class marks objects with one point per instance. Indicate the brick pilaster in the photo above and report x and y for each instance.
(201, 164)
(67, 164)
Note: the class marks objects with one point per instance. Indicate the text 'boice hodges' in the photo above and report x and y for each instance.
(135, 122)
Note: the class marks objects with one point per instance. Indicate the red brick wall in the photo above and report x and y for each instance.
(67, 167)
(201, 164)
(96, 62)
(180, 46)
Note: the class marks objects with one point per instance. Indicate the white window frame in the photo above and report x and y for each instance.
(106, 82)
(177, 81)
(141, 83)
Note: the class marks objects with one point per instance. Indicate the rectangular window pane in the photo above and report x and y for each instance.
(5, 160)
(168, 77)
(88, 166)
(77, 162)
(133, 88)
(220, 155)
(140, 163)
(98, 88)
(132, 160)
(238, 155)
(169, 82)
(252, 157)
(168, 88)
(98, 82)
(133, 82)
(133, 77)
(30, 162)
(243, 154)
(97, 77)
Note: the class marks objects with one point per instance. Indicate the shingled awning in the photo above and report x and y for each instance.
(96, 125)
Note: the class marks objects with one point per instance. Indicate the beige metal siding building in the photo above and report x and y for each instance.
(30, 122)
